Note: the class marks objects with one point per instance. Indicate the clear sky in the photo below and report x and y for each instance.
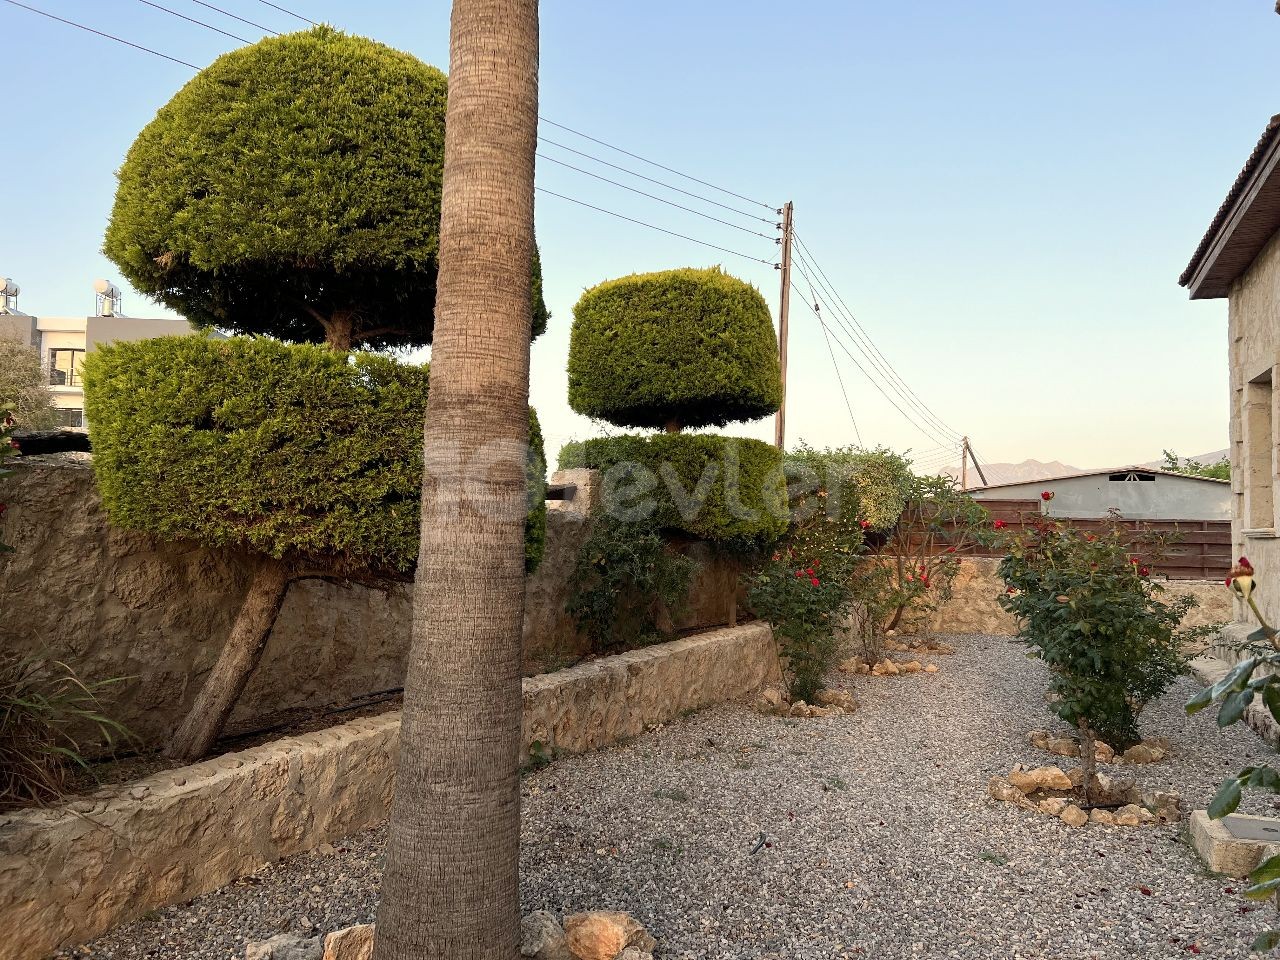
(1004, 193)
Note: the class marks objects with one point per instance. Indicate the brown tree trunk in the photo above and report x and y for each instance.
(339, 330)
(450, 887)
(1088, 762)
(236, 663)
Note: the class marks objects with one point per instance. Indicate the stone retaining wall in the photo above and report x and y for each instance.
(71, 872)
(119, 604)
(975, 603)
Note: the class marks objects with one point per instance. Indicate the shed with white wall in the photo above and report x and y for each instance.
(1137, 493)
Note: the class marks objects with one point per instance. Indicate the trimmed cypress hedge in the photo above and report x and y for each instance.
(287, 449)
(291, 182)
(742, 504)
(695, 347)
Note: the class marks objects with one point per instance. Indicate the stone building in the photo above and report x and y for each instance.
(1239, 259)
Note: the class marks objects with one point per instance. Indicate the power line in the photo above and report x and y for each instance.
(199, 23)
(875, 383)
(660, 166)
(866, 347)
(109, 36)
(839, 377)
(583, 203)
(651, 196)
(687, 193)
(233, 16)
(925, 428)
(275, 6)
(830, 287)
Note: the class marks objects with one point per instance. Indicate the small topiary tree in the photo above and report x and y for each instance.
(308, 460)
(292, 188)
(674, 349)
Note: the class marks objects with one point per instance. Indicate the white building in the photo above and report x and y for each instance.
(62, 342)
(1137, 493)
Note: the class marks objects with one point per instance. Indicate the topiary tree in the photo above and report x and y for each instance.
(674, 349)
(292, 188)
(307, 460)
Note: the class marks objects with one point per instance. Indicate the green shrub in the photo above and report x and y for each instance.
(42, 704)
(805, 601)
(628, 585)
(292, 188)
(686, 347)
(286, 449)
(724, 489)
(1088, 608)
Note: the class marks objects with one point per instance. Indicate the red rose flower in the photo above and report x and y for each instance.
(1047, 496)
(999, 524)
(1143, 571)
(864, 524)
(814, 581)
(809, 571)
(799, 573)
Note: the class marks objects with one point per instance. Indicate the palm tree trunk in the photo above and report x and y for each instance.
(450, 887)
(236, 663)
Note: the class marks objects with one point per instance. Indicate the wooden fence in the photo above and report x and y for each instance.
(1200, 549)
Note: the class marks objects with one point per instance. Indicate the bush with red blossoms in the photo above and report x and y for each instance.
(806, 600)
(1087, 607)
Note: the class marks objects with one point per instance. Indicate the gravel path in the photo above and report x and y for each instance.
(881, 840)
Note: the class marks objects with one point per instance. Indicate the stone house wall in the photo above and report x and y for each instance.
(1254, 345)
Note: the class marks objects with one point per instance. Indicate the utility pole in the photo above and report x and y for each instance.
(966, 454)
(784, 307)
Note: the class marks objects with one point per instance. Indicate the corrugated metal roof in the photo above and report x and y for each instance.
(1246, 220)
(1095, 473)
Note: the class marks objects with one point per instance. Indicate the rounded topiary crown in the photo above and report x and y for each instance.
(688, 348)
(290, 187)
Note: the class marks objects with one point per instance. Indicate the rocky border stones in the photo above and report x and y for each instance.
(598, 935)
(1117, 802)
(1066, 744)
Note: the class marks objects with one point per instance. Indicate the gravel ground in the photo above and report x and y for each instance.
(881, 840)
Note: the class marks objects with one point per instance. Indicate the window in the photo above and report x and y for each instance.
(69, 417)
(64, 367)
(1259, 468)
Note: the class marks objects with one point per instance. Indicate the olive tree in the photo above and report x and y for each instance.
(292, 188)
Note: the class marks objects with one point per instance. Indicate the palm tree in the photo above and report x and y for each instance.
(450, 887)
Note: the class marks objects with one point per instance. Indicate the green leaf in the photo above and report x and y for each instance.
(1269, 869)
(1226, 799)
(1234, 706)
(1271, 698)
(1200, 700)
(1263, 891)
(1267, 940)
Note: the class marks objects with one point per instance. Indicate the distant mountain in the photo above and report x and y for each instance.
(1023, 472)
(1205, 458)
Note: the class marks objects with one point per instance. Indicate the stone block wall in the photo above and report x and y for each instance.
(975, 603)
(120, 604)
(71, 872)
